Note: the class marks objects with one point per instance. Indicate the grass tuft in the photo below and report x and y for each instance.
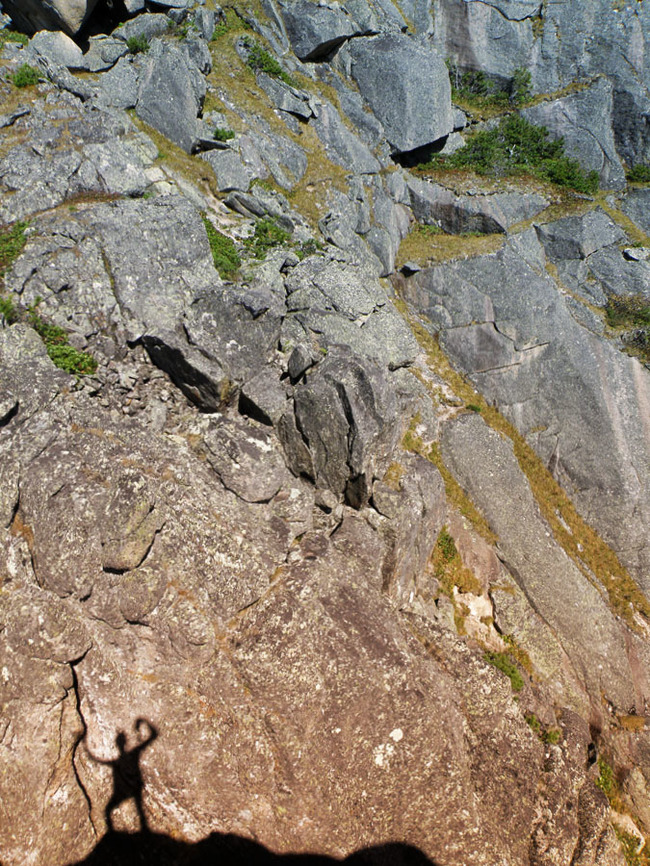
(224, 252)
(25, 76)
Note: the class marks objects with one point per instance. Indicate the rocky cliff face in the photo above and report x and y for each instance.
(324, 478)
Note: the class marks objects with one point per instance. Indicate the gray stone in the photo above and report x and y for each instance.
(198, 53)
(406, 84)
(103, 52)
(119, 168)
(205, 20)
(345, 412)
(171, 94)
(484, 212)
(264, 397)
(147, 26)
(300, 360)
(342, 146)
(59, 48)
(636, 205)
(284, 97)
(246, 458)
(579, 237)
(229, 170)
(314, 31)
(133, 6)
(584, 120)
(570, 392)
(119, 85)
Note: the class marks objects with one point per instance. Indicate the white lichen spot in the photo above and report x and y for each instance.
(5, 674)
(382, 754)
(396, 735)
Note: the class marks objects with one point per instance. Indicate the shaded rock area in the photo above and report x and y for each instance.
(278, 583)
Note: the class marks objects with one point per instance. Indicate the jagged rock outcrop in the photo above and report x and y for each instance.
(274, 556)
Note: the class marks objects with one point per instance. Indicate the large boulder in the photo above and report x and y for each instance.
(33, 15)
(406, 84)
(315, 30)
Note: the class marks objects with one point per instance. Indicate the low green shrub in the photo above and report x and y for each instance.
(268, 234)
(12, 241)
(504, 663)
(639, 174)
(62, 354)
(628, 311)
(308, 248)
(631, 314)
(25, 76)
(223, 134)
(516, 146)
(474, 88)
(260, 60)
(224, 252)
(137, 44)
(8, 309)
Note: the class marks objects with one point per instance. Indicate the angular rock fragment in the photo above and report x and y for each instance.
(406, 84)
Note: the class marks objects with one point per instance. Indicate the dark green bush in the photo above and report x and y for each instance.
(268, 234)
(639, 174)
(25, 76)
(223, 134)
(506, 665)
(8, 309)
(224, 253)
(521, 92)
(137, 44)
(516, 146)
(260, 60)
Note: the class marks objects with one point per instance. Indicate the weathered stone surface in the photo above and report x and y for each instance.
(32, 15)
(584, 120)
(341, 145)
(433, 204)
(59, 48)
(171, 93)
(579, 237)
(489, 37)
(315, 31)
(485, 463)
(406, 84)
(229, 169)
(103, 52)
(119, 85)
(504, 323)
(147, 26)
(636, 205)
(247, 459)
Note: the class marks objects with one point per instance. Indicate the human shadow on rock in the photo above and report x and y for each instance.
(155, 849)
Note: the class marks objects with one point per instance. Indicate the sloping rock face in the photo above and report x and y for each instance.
(277, 585)
(498, 37)
(504, 323)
